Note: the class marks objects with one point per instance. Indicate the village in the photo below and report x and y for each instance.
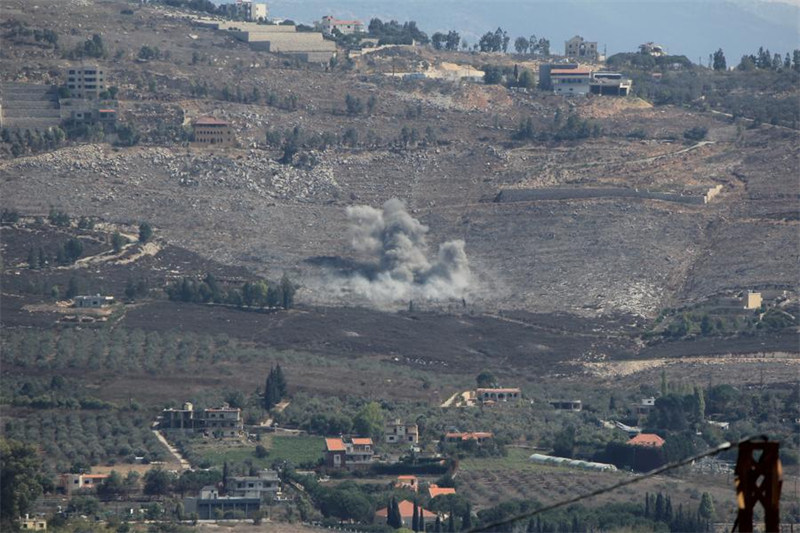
(322, 272)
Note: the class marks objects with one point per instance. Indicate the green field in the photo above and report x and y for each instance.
(297, 450)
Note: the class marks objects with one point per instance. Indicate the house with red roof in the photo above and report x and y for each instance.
(649, 440)
(406, 512)
(348, 452)
(213, 131)
(435, 490)
(455, 437)
(407, 482)
(345, 27)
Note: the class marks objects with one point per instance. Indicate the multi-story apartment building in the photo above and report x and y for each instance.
(86, 82)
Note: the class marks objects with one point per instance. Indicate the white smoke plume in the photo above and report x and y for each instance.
(398, 268)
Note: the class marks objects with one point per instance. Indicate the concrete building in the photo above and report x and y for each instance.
(86, 82)
(264, 486)
(348, 452)
(567, 405)
(82, 482)
(221, 421)
(407, 482)
(246, 10)
(32, 524)
(571, 82)
(210, 130)
(752, 300)
(609, 84)
(210, 505)
(652, 49)
(645, 406)
(345, 27)
(578, 48)
(498, 395)
(95, 302)
(396, 431)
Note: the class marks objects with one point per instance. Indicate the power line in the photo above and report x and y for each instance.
(670, 466)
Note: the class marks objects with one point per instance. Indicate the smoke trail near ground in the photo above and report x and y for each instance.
(396, 246)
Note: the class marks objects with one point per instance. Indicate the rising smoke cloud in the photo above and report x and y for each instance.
(396, 246)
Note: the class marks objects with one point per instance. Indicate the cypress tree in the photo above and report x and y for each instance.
(466, 519)
(668, 510)
(451, 522)
(415, 518)
(421, 523)
(390, 513)
(280, 381)
(659, 514)
(647, 505)
(395, 519)
(437, 526)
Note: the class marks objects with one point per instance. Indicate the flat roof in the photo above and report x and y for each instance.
(558, 71)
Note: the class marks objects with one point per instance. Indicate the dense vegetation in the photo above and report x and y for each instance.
(675, 80)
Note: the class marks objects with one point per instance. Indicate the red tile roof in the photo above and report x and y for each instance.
(436, 490)
(407, 478)
(210, 121)
(334, 445)
(362, 441)
(406, 510)
(647, 439)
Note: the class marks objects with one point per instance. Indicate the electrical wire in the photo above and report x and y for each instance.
(660, 470)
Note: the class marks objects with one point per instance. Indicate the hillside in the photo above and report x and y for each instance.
(386, 232)
(643, 253)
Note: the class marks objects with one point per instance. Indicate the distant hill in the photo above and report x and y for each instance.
(694, 28)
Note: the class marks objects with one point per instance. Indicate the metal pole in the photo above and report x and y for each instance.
(759, 478)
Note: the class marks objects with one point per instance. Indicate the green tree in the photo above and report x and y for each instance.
(287, 291)
(719, 60)
(157, 482)
(485, 379)
(19, 479)
(111, 487)
(145, 232)
(521, 45)
(393, 517)
(280, 380)
(369, 421)
(73, 249)
(415, 518)
(706, 509)
(118, 241)
(564, 443)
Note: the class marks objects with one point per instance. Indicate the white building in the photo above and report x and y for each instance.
(345, 27)
(571, 82)
(246, 10)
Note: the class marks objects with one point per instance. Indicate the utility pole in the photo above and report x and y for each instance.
(759, 477)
